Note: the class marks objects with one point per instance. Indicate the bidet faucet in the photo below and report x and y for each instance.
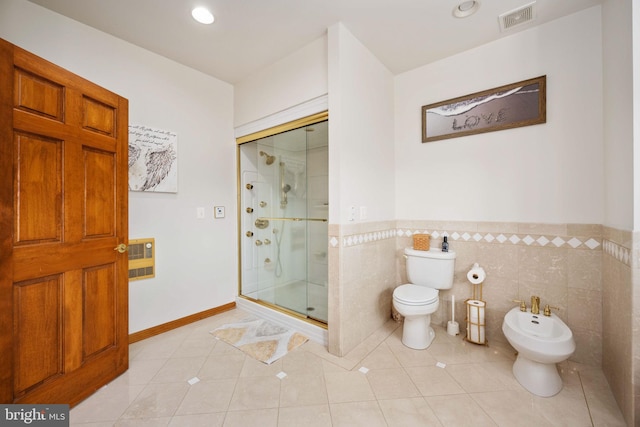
(535, 305)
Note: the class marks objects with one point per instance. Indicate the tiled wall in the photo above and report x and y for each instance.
(619, 320)
(560, 263)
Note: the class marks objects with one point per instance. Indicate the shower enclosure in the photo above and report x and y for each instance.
(283, 212)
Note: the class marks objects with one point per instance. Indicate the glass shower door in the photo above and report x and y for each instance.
(283, 246)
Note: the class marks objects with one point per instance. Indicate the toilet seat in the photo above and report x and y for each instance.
(411, 294)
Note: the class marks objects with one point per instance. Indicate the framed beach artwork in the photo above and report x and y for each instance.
(153, 160)
(505, 107)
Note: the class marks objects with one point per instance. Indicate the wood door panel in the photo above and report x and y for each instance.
(38, 95)
(47, 259)
(99, 323)
(64, 204)
(100, 199)
(38, 181)
(37, 329)
(99, 117)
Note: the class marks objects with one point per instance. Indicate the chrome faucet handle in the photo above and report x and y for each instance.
(547, 309)
(523, 305)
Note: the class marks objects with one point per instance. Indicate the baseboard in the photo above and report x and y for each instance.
(166, 327)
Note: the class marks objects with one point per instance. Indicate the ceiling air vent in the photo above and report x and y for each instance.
(519, 16)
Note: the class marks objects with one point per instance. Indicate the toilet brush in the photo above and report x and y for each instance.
(452, 326)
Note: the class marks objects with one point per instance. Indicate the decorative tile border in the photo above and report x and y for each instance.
(359, 239)
(620, 253)
(496, 238)
(513, 238)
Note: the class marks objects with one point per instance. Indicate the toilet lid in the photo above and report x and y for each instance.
(415, 295)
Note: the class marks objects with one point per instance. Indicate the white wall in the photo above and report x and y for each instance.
(549, 173)
(361, 150)
(295, 79)
(618, 113)
(196, 259)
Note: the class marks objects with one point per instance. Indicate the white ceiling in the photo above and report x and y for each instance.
(249, 35)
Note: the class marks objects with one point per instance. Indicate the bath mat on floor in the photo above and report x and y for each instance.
(260, 339)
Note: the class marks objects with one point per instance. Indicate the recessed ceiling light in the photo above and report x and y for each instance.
(466, 8)
(202, 15)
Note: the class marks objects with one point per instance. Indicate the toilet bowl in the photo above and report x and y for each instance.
(428, 271)
(541, 342)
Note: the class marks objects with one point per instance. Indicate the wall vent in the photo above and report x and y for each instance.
(142, 259)
(519, 16)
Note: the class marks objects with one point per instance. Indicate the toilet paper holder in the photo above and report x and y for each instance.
(476, 307)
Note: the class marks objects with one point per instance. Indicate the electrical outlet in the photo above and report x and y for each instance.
(218, 211)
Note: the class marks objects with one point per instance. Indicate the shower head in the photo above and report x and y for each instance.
(270, 159)
(286, 188)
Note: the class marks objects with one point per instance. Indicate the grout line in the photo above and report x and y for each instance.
(586, 401)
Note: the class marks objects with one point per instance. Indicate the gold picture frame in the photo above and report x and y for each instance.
(505, 107)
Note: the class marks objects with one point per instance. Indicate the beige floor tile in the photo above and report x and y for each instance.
(107, 404)
(302, 362)
(198, 420)
(140, 371)
(307, 416)
(255, 368)
(147, 422)
(392, 384)
(408, 412)
(252, 418)
(157, 401)
(303, 390)
(256, 393)
(409, 357)
(177, 370)
(473, 377)
(460, 410)
(403, 387)
(381, 358)
(357, 414)
(222, 365)
(207, 397)
(349, 386)
(434, 381)
(511, 408)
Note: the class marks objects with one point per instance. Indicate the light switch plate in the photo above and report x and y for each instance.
(218, 211)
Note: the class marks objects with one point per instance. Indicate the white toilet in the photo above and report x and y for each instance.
(427, 271)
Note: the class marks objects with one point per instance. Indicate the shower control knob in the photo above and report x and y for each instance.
(249, 233)
(249, 210)
(267, 241)
(249, 186)
(258, 242)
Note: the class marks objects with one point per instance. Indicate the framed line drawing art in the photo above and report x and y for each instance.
(505, 107)
(153, 159)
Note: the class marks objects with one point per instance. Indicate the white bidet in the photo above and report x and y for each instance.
(541, 342)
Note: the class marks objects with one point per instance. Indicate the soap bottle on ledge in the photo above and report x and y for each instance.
(445, 245)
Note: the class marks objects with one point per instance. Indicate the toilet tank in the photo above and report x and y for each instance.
(432, 268)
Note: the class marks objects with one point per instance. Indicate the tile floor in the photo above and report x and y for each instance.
(402, 387)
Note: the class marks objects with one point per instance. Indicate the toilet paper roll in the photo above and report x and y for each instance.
(476, 311)
(476, 275)
(475, 334)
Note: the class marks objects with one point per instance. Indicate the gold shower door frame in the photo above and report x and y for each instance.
(296, 124)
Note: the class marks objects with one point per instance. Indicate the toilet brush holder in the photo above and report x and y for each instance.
(453, 328)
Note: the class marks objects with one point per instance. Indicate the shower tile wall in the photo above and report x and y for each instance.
(561, 263)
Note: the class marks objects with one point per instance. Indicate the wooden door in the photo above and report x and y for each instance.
(63, 210)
